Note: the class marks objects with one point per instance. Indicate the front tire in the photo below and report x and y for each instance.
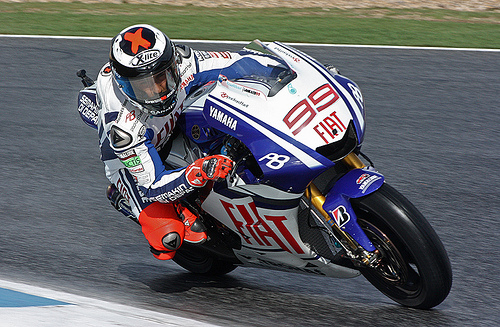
(414, 269)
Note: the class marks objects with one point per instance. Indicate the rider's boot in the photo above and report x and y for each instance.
(194, 230)
(119, 202)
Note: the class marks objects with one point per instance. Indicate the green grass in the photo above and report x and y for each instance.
(442, 28)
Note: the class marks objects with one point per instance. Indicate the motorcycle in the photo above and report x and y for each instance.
(299, 198)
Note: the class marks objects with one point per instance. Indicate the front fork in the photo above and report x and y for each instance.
(338, 214)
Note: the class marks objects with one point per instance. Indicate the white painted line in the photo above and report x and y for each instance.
(246, 42)
(55, 37)
(84, 312)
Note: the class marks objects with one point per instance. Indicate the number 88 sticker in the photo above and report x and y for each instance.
(276, 161)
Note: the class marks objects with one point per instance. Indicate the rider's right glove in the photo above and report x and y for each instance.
(209, 168)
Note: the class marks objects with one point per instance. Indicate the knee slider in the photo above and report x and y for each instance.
(162, 227)
(172, 241)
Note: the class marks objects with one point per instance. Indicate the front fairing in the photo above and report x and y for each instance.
(295, 116)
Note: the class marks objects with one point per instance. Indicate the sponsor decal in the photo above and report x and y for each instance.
(204, 55)
(141, 178)
(223, 54)
(175, 194)
(250, 91)
(330, 127)
(341, 216)
(223, 118)
(291, 89)
(186, 81)
(362, 178)
(247, 90)
(106, 71)
(306, 110)
(366, 180)
(356, 93)
(195, 132)
(130, 116)
(142, 131)
(88, 109)
(275, 161)
(145, 57)
(225, 96)
(184, 71)
(166, 130)
(131, 160)
(287, 53)
(223, 79)
(262, 229)
(123, 189)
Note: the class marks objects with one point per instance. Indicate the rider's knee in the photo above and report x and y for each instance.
(162, 228)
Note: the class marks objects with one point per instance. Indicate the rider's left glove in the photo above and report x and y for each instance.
(209, 168)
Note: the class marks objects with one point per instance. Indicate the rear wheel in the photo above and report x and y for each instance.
(414, 269)
(199, 262)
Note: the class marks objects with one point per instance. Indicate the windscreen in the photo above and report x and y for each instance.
(258, 65)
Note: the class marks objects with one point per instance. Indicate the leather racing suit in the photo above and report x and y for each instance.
(130, 141)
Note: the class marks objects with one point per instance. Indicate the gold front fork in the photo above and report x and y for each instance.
(353, 161)
(318, 199)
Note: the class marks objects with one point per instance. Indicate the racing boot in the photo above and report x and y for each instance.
(119, 202)
(194, 230)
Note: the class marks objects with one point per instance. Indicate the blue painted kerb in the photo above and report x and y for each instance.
(14, 299)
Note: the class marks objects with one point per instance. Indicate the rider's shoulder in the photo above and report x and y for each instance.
(184, 50)
(127, 128)
(105, 72)
(104, 80)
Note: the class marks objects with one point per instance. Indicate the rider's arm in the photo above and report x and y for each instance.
(126, 144)
(152, 178)
(200, 67)
(159, 184)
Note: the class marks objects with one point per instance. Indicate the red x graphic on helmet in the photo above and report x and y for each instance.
(137, 40)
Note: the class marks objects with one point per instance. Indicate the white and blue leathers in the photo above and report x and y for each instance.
(130, 140)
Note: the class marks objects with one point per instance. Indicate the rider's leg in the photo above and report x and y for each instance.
(162, 228)
(164, 225)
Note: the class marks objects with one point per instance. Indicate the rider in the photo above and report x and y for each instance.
(140, 93)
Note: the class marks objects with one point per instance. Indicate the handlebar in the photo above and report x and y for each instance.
(86, 81)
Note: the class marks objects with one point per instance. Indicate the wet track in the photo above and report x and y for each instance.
(433, 130)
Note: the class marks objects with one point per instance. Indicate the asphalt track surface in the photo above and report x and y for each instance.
(433, 130)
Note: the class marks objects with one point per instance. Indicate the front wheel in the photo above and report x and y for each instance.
(414, 269)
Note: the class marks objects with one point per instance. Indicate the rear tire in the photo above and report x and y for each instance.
(414, 270)
(199, 262)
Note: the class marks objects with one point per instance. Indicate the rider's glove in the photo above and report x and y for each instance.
(209, 168)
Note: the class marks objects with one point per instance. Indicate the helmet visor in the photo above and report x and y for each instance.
(151, 88)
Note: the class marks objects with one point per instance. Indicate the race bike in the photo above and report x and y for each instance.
(299, 198)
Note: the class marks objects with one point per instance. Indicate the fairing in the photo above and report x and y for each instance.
(294, 115)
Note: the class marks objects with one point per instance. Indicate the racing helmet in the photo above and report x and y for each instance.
(144, 63)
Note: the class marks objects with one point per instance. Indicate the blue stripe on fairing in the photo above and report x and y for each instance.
(329, 78)
(14, 299)
(279, 134)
